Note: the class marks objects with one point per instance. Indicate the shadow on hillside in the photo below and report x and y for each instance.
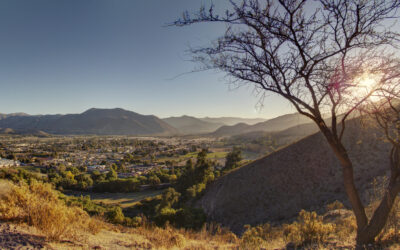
(12, 239)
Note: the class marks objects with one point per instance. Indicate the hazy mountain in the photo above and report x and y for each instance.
(276, 124)
(239, 128)
(303, 175)
(3, 116)
(93, 121)
(34, 132)
(191, 125)
(283, 137)
(232, 120)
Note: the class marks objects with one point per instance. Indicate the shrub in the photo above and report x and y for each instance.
(255, 237)
(345, 226)
(308, 229)
(189, 217)
(38, 205)
(334, 205)
(115, 215)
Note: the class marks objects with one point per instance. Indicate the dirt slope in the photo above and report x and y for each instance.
(304, 175)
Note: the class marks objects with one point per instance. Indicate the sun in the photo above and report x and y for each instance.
(369, 82)
(365, 84)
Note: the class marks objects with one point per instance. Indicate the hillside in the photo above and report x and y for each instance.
(281, 138)
(276, 124)
(4, 116)
(239, 128)
(304, 175)
(191, 125)
(93, 121)
(229, 121)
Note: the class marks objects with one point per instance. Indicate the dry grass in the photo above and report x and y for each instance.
(308, 229)
(37, 204)
(211, 236)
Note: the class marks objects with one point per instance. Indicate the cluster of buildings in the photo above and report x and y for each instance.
(8, 163)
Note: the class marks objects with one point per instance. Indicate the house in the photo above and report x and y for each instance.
(8, 163)
(101, 168)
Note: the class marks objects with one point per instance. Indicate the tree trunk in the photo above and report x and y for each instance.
(366, 232)
(348, 179)
(380, 216)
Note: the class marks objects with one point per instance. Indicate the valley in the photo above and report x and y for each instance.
(267, 172)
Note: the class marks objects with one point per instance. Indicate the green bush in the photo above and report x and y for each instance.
(115, 215)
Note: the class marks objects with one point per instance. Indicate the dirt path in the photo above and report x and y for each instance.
(12, 238)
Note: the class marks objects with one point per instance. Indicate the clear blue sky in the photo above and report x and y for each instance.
(66, 56)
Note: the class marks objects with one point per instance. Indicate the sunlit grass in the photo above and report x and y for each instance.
(122, 199)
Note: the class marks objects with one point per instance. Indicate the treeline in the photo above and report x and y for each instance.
(175, 205)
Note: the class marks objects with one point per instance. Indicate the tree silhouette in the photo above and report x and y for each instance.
(313, 54)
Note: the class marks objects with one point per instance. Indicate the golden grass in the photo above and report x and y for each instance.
(121, 199)
(211, 236)
(37, 204)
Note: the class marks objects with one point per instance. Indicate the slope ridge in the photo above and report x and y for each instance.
(273, 125)
(303, 175)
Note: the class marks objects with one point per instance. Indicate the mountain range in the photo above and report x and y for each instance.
(123, 122)
(279, 123)
(93, 121)
(192, 125)
(116, 122)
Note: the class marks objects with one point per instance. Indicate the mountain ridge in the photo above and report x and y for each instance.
(279, 123)
(92, 121)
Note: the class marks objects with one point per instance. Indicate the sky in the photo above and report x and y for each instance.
(66, 56)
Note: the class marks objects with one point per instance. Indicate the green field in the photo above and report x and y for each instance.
(211, 156)
(122, 199)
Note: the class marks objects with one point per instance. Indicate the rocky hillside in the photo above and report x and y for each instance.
(93, 121)
(303, 175)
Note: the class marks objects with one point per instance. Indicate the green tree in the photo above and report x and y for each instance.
(111, 175)
(84, 181)
(233, 159)
(169, 197)
(97, 176)
(154, 180)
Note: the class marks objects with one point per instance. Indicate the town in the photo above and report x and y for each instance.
(127, 156)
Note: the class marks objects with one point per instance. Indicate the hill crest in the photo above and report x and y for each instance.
(93, 121)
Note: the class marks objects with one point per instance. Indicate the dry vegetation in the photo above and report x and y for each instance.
(37, 205)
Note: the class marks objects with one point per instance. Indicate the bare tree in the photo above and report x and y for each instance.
(313, 54)
(383, 111)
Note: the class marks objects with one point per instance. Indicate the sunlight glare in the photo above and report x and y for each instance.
(365, 84)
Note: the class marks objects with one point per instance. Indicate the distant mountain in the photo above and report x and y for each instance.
(93, 121)
(237, 129)
(34, 132)
(279, 123)
(283, 137)
(232, 120)
(3, 116)
(191, 125)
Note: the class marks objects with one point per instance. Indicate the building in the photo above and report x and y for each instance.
(8, 163)
(100, 168)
